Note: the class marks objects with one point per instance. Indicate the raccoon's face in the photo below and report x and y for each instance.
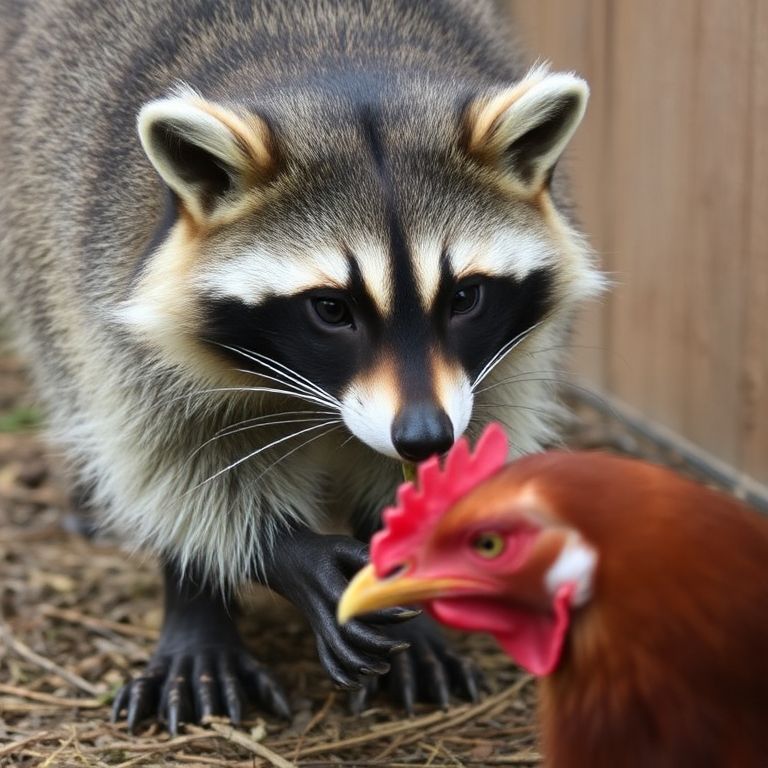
(379, 276)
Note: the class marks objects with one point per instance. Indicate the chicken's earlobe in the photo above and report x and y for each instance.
(575, 566)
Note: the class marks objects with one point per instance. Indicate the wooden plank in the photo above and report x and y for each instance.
(653, 65)
(670, 172)
(716, 247)
(587, 161)
(754, 412)
(573, 36)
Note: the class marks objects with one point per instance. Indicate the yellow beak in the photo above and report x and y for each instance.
(366, 593)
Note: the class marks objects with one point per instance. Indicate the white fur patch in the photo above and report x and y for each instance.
(426, 266)
(376, 269)
(259, 273)
(508, 253)
(368, 413)
(576, 565)
(143, 318)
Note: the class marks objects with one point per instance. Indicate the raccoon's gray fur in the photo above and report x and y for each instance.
(326, 120)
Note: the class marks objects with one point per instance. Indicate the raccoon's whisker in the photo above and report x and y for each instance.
(297, 448)
(288, 377)
(235, 429)
(268, 390)
(521, 376)
(260, 450)
(554, 347)
(273, 415)
(514, 406)
(503, 352)
(509, 429)
(294, 387)
(263, 359)
(268, 362)
(587, 391)
(282, 378)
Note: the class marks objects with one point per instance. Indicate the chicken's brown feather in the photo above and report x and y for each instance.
(666, 666)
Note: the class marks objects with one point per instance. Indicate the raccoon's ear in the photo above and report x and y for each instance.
(523, 130)
(208, 155)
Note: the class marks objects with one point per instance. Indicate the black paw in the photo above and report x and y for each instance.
(312, 571)
(427, 671)
(200, 667)
(359, 649)
(189, 687)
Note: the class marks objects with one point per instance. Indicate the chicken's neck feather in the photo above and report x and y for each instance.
(669, 653)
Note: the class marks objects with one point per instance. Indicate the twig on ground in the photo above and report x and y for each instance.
(391, 747)
(527, 758)
(489, 705)
(388, 729)
(229, 733)
(66, 614)
(49, 760)
(49, 698)
(27, 653)
(153, 746)
(27, 741)
(203, 760)
(317, 718)
(133, 761)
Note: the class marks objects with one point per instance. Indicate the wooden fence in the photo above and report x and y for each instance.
(670, 170)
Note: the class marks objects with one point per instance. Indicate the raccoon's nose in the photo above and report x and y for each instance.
(420, 430)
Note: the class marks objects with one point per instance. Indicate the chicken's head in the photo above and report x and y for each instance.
(476, 543)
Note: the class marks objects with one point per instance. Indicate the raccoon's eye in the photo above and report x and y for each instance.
(465, 299)
(332, 311)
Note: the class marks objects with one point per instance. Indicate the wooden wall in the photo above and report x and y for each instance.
(670, 170)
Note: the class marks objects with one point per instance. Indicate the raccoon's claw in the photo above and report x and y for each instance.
(188, 687)
(427, 671)
(200, 667)
(313, 570)
(358, 700)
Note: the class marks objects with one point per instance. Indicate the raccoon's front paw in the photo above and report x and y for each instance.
(312, 571)
(427, 671)
(185, 686)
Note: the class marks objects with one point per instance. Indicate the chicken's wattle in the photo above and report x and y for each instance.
(533, 639)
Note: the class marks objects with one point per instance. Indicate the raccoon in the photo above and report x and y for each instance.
(257, 254)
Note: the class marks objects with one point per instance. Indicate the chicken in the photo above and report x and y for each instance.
(638, 596)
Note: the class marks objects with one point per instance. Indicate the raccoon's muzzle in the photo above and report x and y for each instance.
(420, 430)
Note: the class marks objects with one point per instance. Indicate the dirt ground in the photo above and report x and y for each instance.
(78, 616)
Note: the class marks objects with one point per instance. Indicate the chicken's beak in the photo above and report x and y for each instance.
(366, 593)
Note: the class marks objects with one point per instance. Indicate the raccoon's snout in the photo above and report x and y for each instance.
(420, 430)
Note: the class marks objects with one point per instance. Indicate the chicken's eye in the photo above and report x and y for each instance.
(488, 545)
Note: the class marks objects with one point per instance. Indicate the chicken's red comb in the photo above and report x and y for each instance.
(420, 505)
